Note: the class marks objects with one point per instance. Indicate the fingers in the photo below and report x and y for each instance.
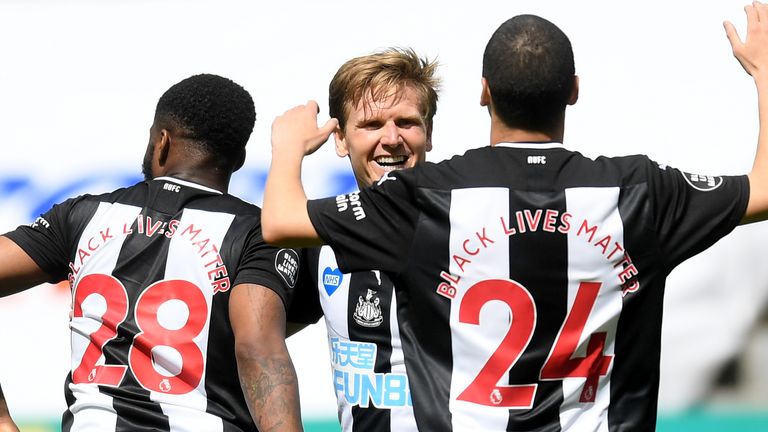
(752, 16)
(313, 106)
(329, 126)
(321, 135)
(752, 50)
(296, 131)
(733, 35)
(761, 14)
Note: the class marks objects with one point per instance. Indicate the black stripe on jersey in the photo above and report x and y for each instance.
(361, 296)
(223, 346)
(639, 323)
(429, 377)
(136, 274)
(549, 288)
(67, 419)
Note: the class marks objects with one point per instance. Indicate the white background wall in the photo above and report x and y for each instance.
(79, 80)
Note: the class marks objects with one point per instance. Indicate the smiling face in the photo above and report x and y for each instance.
(384, 135)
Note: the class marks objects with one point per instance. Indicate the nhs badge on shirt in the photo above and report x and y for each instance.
(332, 279)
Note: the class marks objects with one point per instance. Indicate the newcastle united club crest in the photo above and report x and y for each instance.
(368, 311)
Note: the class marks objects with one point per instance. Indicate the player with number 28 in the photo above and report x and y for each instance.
(178, 320)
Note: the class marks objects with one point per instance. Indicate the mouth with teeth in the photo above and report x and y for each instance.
(391, 163)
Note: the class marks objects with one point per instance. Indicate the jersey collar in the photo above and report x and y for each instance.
(531, 145)
(189, 184)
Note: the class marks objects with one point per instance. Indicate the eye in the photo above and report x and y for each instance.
(371, 125)
(408, 123)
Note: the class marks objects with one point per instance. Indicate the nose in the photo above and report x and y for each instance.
(390, 134)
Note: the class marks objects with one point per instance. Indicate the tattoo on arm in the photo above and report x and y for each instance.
(271, 388)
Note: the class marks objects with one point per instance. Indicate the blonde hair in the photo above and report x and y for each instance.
(381, 75)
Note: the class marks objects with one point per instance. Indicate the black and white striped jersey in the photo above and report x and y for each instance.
(151, 267)
(369, 376)
(530, 279)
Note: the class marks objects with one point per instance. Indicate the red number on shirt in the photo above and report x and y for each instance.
(113, 294)
(560, 363)
(152, 336)
(484, 389)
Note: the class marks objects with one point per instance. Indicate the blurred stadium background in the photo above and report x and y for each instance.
(80, 79)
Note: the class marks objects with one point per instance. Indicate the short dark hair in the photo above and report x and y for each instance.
(214, 112)
(528, 64)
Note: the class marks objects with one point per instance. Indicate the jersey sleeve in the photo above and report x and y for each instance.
(372, 228)
(48, 240)
(691, 211)
(305, 305)
(274, 268)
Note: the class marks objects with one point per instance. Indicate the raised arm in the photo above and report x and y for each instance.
(17, 270)
(6, 422)
(752, 53)
(266, 372)
(284, 219)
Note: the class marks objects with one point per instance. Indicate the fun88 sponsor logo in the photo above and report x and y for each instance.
(25, 195)
(354, 379)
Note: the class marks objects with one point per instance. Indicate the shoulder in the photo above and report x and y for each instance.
(242, 207)
(435, 174)
(137, 189)
(619, 170)
(226, 203)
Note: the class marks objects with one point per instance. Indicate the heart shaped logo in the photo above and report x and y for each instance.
(332, 279)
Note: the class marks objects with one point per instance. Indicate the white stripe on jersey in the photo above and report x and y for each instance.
(471, 211)
(92, 409)
(599, 206)
(335, 311)
(401, 418)
(190, 261)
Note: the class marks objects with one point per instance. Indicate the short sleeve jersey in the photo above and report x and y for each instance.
(530, 279)
(151, 268)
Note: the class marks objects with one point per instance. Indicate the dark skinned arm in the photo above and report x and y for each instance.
(17, 273)
(17, 270)
(266, 371)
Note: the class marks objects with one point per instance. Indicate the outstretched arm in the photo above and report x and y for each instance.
(266, 372)
(6, 422)
(17, 270)
(284, 218)
(752, 53)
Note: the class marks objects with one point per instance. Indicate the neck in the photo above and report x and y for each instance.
(207, 177)
(500, 133)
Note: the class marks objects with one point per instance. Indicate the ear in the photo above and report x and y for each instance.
(240, 161)
(429, 138)
(163, 147)
(485, 93)
(342, 148)
(575, 92)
